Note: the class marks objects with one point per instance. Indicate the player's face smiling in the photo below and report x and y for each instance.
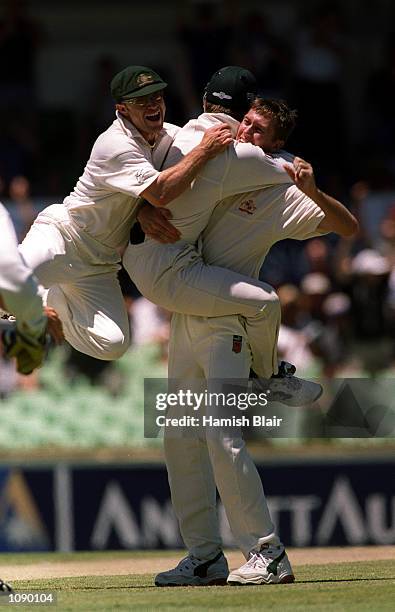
(258, 130)
(147, 115)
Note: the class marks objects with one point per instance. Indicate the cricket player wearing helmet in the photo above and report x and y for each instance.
(74, 248)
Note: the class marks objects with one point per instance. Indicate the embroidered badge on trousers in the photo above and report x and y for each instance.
(237, 343)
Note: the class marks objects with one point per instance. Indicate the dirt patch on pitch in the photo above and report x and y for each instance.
(153, 565)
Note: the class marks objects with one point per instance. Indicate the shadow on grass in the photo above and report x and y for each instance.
(343, 580)
(153, 587)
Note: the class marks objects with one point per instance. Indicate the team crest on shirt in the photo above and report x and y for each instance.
(248, 206)
(144, 79)
(237, 344)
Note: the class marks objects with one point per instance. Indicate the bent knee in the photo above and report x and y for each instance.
(106, 347)
(271, 303)
(274, 300)
(113, 346)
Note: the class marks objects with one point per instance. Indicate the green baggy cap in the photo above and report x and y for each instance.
(135, 81)
(232, 87)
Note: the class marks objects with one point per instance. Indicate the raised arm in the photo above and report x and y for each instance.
(173, 181)
(337, 218)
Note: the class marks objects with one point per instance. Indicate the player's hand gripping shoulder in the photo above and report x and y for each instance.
(173, 181)
(302, 173)
(216, 139)
(155, 224)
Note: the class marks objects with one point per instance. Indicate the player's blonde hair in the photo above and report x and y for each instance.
(283, 116)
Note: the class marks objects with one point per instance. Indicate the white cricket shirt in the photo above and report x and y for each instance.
(121, 166)
(240, 168)
(18, 287)
(244, 227)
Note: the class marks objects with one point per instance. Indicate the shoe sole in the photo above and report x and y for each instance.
(214, 582)
(288, 579)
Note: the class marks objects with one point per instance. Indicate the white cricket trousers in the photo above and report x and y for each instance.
(80, 275)
(198, 461)
(176, 278)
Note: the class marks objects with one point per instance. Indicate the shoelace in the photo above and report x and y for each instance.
(257, 560)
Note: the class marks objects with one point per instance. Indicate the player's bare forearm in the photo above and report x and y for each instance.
(54, 325)
(155, 224)
(173, 181)
(338, 218)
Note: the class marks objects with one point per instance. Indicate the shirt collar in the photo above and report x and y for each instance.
(215, 118)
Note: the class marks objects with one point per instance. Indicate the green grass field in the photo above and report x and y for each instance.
(335, 587)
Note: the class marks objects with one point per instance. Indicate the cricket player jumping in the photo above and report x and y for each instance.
(74, 248)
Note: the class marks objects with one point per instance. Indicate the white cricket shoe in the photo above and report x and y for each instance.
(287, 388)
(293, 391)
(192, 571)
(269, 565)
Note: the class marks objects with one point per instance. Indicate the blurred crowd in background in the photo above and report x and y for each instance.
(338, 296)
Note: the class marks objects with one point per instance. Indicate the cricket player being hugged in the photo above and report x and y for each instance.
(175, 275)
(238, 235)
(26, 338)
(74, 248)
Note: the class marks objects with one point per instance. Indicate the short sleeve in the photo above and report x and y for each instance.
(250, 168)
(300, 216)
(130, 173)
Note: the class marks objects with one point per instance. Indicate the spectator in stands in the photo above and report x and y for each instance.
(317, 88)
(293, 343)
(268, 57)
(329, 340)
(22, 209)
(380, 103)
(149, 324)
(386, 243)
(368, 287)
(205, 39)
(20, 37)
(315, 287)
